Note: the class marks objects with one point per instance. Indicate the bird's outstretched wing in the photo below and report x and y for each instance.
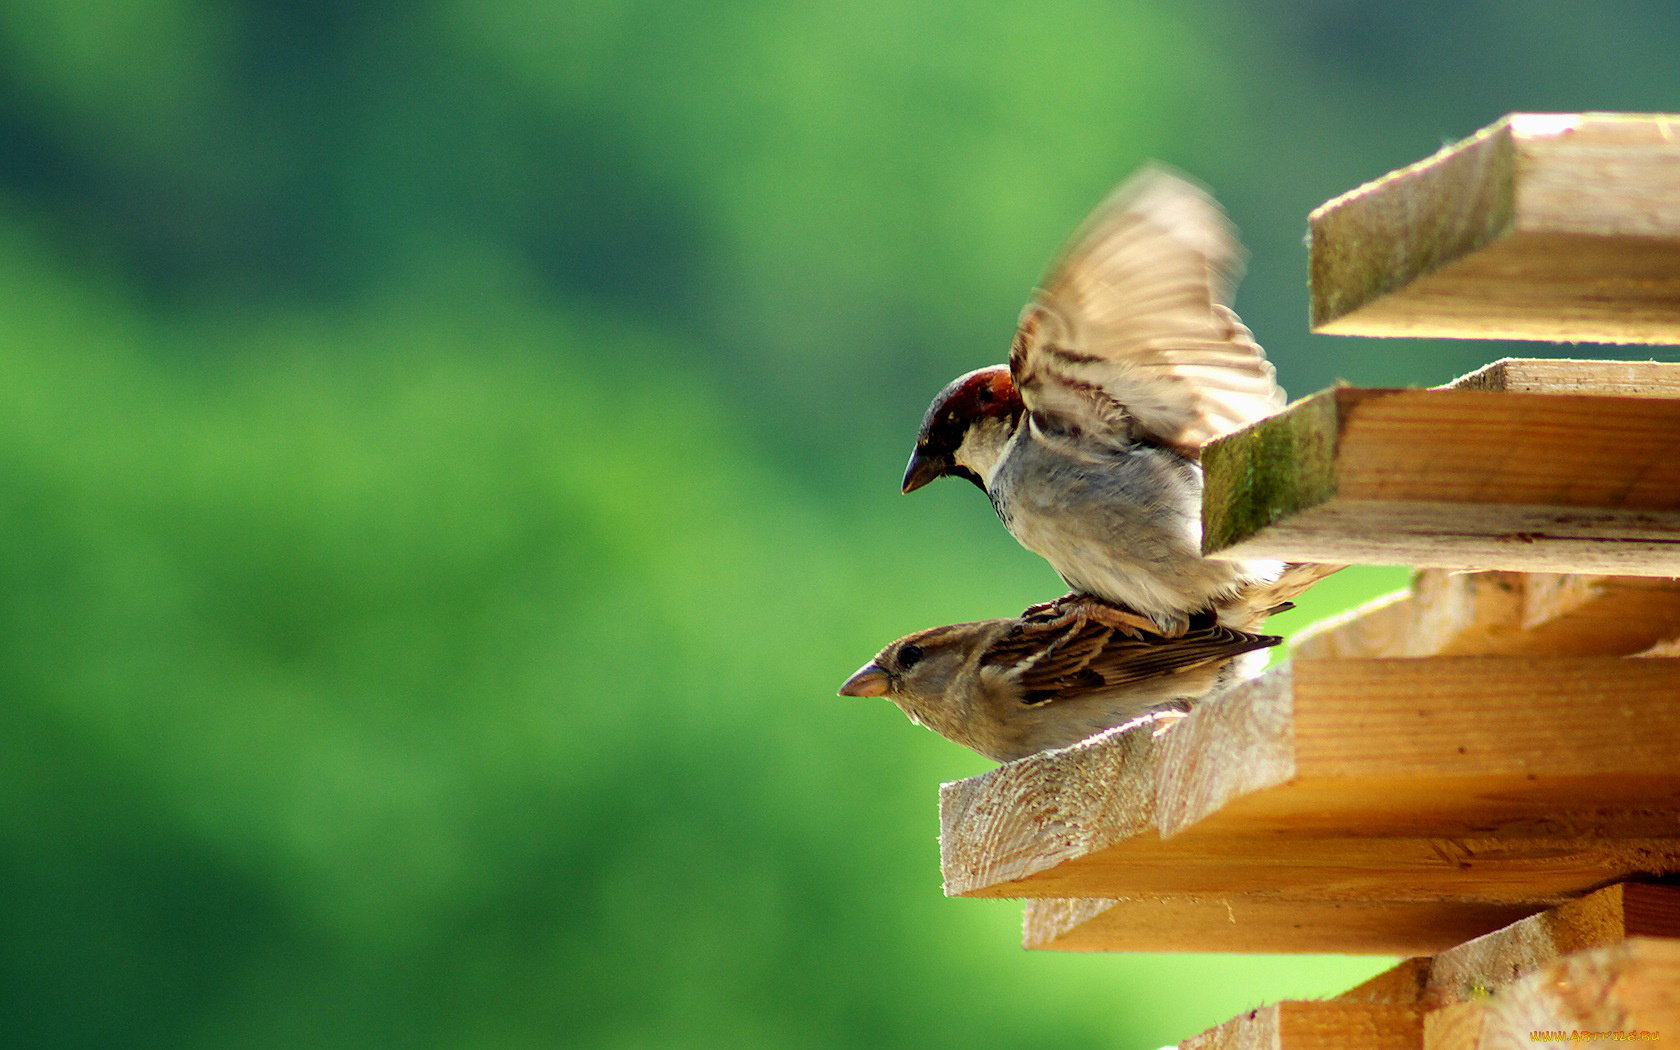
(1131, 334)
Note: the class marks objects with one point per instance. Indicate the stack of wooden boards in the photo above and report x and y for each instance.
(1422, 771)
(1606, 965)
(1428, 775)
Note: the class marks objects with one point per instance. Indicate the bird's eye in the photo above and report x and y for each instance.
(908, 656)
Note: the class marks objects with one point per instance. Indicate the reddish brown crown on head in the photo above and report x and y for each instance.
(982, 394)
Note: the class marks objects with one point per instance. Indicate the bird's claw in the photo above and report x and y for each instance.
(1072, 607)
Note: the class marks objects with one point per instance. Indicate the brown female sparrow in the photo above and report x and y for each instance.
(1009, 688)
(1126, 362)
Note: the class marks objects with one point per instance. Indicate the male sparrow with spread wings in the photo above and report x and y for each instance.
(1009, 688)
(1126, 362)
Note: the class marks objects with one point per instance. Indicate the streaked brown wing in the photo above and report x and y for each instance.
(1132, 334)
(1071, 660)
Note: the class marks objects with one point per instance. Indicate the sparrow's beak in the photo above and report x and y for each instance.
(925, 465)
(869, 681)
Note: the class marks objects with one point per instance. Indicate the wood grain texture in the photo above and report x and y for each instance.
(1503, 614)
(1456, 1027)
(1259, 923)
(1598, 615)
(1037, 812)
(1402, 983)
(1380, 627)
(1520, 782)
(1316, 1026)
(1531, 872)
(1470, 971)
(1556, 375)
(1453, 478)
(1633, 986)
(1606, 964)
(1541, 226)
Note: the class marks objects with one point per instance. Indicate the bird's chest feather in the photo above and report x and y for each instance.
(1144, 500)
(1126, 527)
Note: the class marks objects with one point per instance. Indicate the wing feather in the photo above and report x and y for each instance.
(1062, 661)
(1132, 335)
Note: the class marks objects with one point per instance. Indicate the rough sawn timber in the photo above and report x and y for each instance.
(1258, 923)
(1498, 785)
(1468, 972)
(1562, 227)
(1316, 1026)
(1444, 613)
(1606, 963)
(1502, 614)
(1454, 478)
(1623, 993)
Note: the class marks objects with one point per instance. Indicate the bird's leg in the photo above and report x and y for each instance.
(1070, 607)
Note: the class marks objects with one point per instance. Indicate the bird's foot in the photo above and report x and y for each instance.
(1071, 607)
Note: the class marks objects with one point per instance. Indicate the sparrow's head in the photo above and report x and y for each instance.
(934, 677)
(915, 668)
(964, 429)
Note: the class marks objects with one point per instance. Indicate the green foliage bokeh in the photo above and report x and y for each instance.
(448, 458)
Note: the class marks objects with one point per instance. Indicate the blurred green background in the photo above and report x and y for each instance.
(449, 458)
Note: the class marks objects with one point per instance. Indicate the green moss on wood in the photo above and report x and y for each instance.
(1278, 467)
(1411, 222)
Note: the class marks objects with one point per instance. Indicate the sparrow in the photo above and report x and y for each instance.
(1011, 687)
(1125, 363)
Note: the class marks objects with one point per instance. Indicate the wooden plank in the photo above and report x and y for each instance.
(1316, 1026)
(1614, 914)
(1607, 964)
(1455, 479)
(1469, 972)
(1527, 873)
(1456, 1027)
(1445, 614)
(1668, 649)
(1542, 226)
(1397, 746)
(1380, 627)
(1620, 992)
(1598, 615)
(1512, 780)
(1463, 614)
(1026, 817)
(1505, 614)
(1401, 983)
(1556, 375)
(1464, 957)
(1257, 923)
